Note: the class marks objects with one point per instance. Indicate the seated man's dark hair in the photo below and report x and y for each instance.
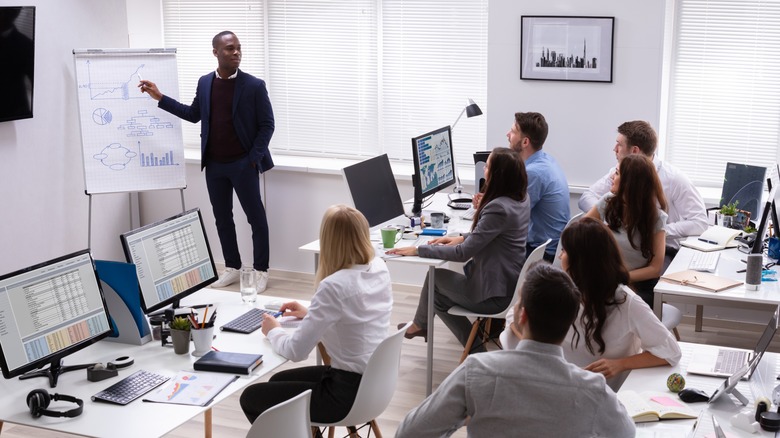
(551, 302)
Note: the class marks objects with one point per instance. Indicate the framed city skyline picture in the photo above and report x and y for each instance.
(560, 48)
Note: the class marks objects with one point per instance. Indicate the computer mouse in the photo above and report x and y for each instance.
(692, 395)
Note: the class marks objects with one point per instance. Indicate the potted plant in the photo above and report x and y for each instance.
(180, 335)
(727, 215)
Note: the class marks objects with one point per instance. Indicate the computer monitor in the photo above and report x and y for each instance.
(745, 184)
(47, 312)
(758, 243)
(434, 163)
(172, 259)
(373, 190)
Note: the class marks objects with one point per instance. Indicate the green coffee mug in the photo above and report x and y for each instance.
(390, 236)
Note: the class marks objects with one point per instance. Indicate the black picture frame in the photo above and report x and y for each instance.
(565, 48)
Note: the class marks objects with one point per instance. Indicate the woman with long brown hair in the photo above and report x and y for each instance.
(615, 331)
(635, 211)
(494, 249)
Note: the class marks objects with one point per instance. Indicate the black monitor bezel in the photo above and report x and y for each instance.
(29, 114)
(758, 243)
(56, 357)
(389, 208)
(416, 157)
(174, 300)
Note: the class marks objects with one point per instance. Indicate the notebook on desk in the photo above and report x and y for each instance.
(725, 362)
(714, 239)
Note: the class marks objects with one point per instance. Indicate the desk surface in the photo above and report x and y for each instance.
(730, 262)
(137, 419)
(654, 380)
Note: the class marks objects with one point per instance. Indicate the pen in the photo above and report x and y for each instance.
(139, 76)
(203, 324)
(214, 348)
(278, 314)
(708, 241)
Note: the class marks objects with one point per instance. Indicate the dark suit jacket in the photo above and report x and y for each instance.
(253, 117)
(496, 248)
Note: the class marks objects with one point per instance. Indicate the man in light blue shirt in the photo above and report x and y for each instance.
(548, 189)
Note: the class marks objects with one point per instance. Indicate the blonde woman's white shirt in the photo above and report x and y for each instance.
(349, 313)
(631, 328)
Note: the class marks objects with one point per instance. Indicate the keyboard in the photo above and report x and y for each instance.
(459, 205)
(704, 261)
(468, 214)
(730, 361)
(248, 322)
(130, 388)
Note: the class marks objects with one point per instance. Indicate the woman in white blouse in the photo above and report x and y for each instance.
(349, 314)
(635, 211)
(615, 330)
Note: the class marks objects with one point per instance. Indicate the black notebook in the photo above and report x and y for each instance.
(225, 362)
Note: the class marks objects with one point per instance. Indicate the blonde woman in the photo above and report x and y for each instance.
(349, 314)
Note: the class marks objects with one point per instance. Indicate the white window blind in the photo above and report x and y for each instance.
(724, 101)
(189, 26)
(349, 78)
(434, 57)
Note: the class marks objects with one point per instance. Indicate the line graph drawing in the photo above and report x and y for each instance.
(144, 124)
(115, 156)
(112, 90)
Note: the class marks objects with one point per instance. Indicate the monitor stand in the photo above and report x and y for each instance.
(53, 372)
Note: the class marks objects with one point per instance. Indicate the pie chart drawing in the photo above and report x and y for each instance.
(102, 116)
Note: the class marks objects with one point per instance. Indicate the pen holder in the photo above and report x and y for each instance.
(202, 339)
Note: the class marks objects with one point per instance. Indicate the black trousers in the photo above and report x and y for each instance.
(333, 392)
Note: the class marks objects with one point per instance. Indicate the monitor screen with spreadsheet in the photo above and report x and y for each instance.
(49, 311)
(172, 259)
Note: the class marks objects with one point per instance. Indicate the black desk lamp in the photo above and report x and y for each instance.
(471, 110)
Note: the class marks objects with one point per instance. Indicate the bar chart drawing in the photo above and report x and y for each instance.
(151, 160)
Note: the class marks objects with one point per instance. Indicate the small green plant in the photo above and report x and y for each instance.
(749, 229)
(180, 323)
(729, 209)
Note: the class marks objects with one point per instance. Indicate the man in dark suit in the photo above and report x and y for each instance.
(237, 123)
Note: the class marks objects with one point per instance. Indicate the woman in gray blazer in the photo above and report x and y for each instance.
(494, 249)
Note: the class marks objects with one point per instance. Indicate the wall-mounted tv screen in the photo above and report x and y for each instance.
(17, 50)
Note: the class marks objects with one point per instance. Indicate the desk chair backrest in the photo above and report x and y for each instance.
(288, 419)
(536, 256)
(378, 383)
(557, 260)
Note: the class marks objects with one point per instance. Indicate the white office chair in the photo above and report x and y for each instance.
(288, 419)
(376, 387)
(484, 319)
(671, 317)
(557, 259)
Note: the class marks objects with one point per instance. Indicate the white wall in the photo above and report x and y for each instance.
(583, 116)
(44, 208)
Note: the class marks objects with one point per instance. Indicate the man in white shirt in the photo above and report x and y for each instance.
(531, 391)
(687, 214)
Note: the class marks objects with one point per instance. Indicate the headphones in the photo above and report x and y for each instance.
(38, 400)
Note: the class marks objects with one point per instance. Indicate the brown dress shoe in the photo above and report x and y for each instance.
(410, 335)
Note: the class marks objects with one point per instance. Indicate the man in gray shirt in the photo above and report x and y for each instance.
(528, 392)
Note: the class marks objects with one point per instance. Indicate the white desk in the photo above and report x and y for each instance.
(456, 224)
(654, 380)
(138, 419)
(766, 298)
